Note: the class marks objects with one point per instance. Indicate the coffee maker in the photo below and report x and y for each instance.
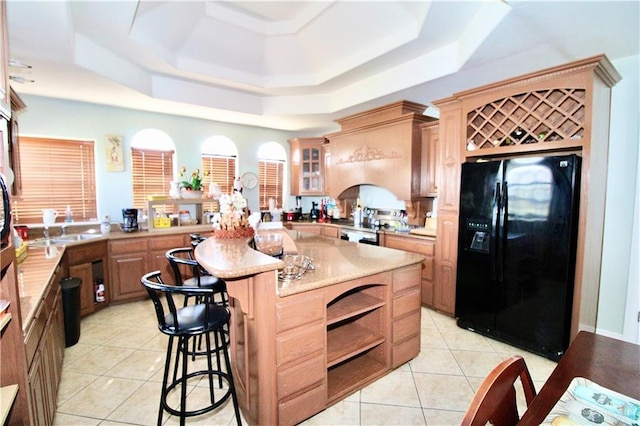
(314, 213)
(129, 220)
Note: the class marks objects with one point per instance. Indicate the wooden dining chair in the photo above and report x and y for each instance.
(495, 399)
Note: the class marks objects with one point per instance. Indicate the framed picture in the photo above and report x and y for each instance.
(114, 153)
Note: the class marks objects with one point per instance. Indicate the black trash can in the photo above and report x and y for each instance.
(71, 309)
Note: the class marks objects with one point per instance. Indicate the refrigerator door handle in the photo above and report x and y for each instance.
(494, 231)
(504, 200)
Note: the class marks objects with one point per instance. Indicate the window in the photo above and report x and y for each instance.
(219, 159)
(152, 171)
(56, 173)
(271, 166)
(151, 165)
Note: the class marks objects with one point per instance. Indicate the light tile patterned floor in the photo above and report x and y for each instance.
(113, 376)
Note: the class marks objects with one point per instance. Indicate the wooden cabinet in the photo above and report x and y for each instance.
(425, 247)
(311, 228)
(356, 338)
(307, 166)
(300, 357)
(44, 344)
(327, 168)
(128, 262)
(13, 389)
(325, 343)
(131, 258)
(429, 159)
(405, 314)
(315, 228)
(88, 262)
(561, 109)
(158, 247)
(331, 231)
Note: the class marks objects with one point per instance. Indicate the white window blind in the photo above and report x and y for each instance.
(152, 172)
(271, 182)
(56, 173)
(221, 171)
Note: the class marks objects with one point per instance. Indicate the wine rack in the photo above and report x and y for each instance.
(528, 118)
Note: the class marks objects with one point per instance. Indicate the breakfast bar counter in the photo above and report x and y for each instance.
(301, 346)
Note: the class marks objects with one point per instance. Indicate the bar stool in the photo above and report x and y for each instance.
(183, 258)
(190, 321)
(199, 277)
(196, 239)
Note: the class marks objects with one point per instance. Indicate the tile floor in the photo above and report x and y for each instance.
(113, 376)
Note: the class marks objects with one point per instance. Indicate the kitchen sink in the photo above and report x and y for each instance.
(62, 240)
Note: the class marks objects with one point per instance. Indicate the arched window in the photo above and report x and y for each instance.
(151, 164)
(271, 165)
(219, 158)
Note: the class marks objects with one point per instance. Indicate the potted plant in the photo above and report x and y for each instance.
(191, 185)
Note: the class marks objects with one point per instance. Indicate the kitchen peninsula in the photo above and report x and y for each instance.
(301, 346)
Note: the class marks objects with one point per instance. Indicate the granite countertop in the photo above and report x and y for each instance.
(117, 234)
(33, 275)
(335, 260)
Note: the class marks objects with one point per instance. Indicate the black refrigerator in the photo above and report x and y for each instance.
(516, 250)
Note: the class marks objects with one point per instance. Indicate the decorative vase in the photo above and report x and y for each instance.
(174, 192)
(186, 193)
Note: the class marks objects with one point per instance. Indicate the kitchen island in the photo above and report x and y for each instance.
(298, 347)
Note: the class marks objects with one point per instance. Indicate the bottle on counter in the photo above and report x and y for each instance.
(105, 226)
(68, 215)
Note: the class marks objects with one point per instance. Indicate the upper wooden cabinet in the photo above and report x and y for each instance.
(307, 166)
(429, 160)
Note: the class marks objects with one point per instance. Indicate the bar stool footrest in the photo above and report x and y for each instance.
(203, 410)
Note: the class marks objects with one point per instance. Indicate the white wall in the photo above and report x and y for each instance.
(619, 273)
(56, 118)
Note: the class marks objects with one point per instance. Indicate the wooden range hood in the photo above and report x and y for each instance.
(379, 147)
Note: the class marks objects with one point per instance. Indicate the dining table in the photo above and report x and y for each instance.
(608, 362)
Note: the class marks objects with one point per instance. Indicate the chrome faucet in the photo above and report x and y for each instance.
(46, 232)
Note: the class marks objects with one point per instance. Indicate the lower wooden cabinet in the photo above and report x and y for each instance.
(405, 314)
(331, 231)
(296, 355)
(425, 247)
(39, 401)
(88, 262)
(131, 258)
(311, 228)
(128, 262)
(45, 362)
(158, 247)
(327, 230)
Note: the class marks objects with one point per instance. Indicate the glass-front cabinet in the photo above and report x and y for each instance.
(307, 166)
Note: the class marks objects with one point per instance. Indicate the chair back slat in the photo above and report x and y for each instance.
(182, 259)
(495, 399)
